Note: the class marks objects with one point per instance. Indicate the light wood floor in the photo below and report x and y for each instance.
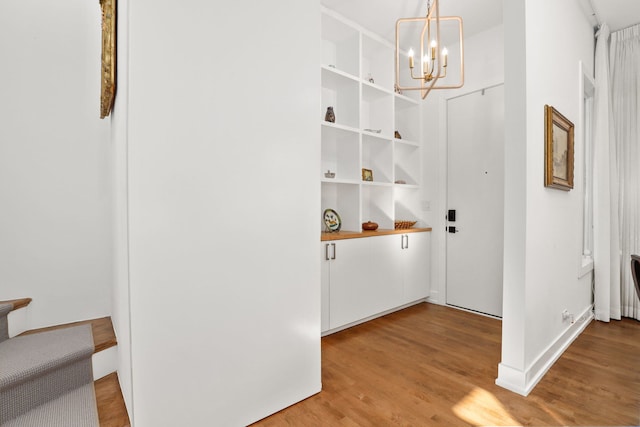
(433, 365)
(112, 411)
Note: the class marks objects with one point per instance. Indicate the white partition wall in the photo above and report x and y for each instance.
(223, 209)
(543, 227)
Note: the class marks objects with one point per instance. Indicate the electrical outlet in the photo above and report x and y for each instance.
(426, 205)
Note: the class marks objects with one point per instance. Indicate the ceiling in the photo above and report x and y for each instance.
(379, 16)
(618, 14)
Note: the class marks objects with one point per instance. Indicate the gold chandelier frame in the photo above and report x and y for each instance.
(428, 77)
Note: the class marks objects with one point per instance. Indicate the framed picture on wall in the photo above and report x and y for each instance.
(367, 174)
(108, 71)
(558, 150)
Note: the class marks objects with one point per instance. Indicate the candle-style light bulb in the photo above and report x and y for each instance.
(425, 65)
(433, 49)
(410, 58)
(445, 53)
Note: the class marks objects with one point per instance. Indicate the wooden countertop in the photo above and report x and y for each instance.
(341, 235)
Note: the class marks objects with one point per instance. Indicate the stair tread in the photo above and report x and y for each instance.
(31, 356)
(112, 411)
(17, 303)
(103, 334)
(73, 408)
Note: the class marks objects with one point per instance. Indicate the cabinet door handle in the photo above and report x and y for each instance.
(326, 251)
(402, 241)
(407, 245)
(334, 251)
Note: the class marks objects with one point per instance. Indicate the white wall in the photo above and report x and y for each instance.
(55, 177)
(543, 227)
(223, 201)
(119, 127)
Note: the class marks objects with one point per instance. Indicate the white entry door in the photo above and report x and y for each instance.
(475, 190)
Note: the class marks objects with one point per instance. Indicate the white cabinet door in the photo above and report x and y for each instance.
(367, 276)
(386, 270)
(349, 299)
(416, 265)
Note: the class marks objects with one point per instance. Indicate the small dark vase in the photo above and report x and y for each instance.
(330, 116)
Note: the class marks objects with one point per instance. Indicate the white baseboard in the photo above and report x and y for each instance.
(522, 382)
(433, 298)
(375, 316)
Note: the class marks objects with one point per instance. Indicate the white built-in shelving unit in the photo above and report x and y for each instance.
(367, 116)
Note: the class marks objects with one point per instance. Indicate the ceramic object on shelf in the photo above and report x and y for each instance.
(330, 116)
(404, 225)
(396, 135)
(332, 220)
(329, 174)
(370, 226)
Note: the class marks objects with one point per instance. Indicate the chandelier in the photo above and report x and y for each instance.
(433, 61)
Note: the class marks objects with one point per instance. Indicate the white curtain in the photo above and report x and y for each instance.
(606, 247)
(625, 103)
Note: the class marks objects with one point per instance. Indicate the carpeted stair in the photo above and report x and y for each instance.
(46, 378)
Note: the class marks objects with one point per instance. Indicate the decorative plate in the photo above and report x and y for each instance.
(331, 220)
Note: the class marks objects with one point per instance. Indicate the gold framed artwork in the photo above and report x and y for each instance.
(108, 70)
(367, 174)
(558, 150)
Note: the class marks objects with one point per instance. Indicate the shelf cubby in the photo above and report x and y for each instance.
(375, 62)
(341, 93)
(377, 155)
(340, 152)
(407, 117)
(406, 203)
(345, 200)
(340, 45)
(377, 205)
(407, 163)
(376, 110)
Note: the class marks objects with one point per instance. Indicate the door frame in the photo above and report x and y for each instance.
(439, 256)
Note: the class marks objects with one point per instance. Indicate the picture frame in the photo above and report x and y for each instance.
(108, 67)
(558, 150)
(367, 174)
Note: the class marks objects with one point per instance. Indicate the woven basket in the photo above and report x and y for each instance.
(403, 225)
